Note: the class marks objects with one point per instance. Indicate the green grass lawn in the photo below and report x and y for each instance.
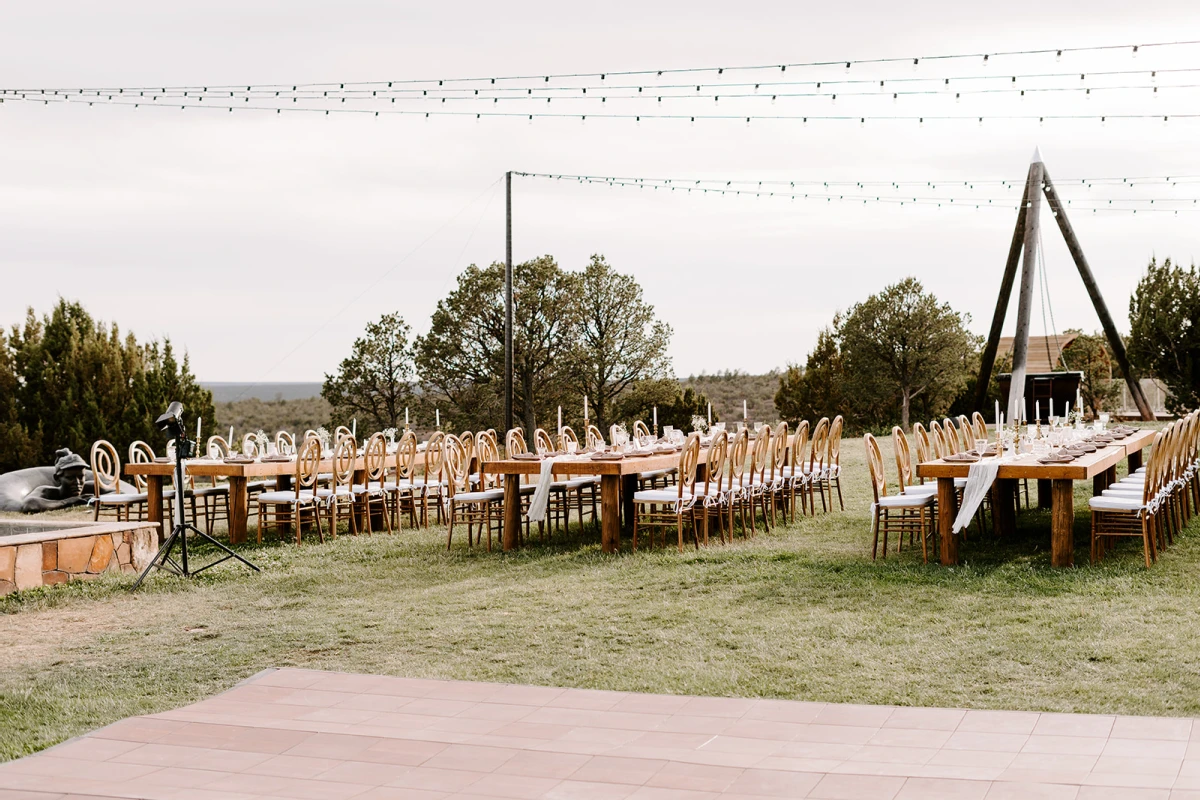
(801, 612)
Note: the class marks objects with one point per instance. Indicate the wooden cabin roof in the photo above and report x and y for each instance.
(1043, 351)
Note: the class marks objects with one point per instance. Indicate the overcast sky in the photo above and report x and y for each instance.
(263, 243)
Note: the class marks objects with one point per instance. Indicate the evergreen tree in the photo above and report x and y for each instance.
(78, 380)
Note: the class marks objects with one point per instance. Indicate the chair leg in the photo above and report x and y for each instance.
(924, 538)
(875, 538)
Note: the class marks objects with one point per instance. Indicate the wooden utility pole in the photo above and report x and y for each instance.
(988, 360)
(1033, 186)
(508, 304)
(1089, 281)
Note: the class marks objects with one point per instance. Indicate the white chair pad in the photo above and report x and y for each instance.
(121, 499)
(906, 501)
(659, 496)
(577, 483)
(1112, 503)
(921, 488)
(490, 496)
(285, 497)
(208, 491)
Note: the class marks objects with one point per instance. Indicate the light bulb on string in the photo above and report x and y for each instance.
(1058, 56)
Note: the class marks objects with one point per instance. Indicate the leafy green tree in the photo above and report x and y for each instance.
(817, 389)
(1091, 355)
(461, 359)
(900, 346)
(617, 340)
(375, 382)
(79, 380)
(1164, 331)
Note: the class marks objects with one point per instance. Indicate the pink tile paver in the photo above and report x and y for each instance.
(309, 734)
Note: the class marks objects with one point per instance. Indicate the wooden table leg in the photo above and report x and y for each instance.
(1062, 524)
(629, 487)
(1135, 461)
(512, 511)
(154, 503)
(1004, 506)
(1043, 493)
(947, 511)
(239, 509)
(610, 513)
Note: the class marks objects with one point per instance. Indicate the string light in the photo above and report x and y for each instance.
(496, 80)
(690, 117)
(757, 191)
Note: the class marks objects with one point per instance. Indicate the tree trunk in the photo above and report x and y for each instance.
(905, 402)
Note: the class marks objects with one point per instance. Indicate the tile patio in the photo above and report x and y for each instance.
(331, 736)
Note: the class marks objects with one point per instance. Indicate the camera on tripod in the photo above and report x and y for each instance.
(171, 421)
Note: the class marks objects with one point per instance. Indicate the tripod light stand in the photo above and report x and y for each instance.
(172, 423)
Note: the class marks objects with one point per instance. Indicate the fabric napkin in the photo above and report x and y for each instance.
(541, 495)
(979, 483)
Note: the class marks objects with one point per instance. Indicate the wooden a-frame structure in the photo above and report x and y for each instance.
(1025, 241)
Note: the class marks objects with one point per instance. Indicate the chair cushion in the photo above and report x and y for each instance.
(392, 486)
(921, 488)
(659, 496)
(489, 496)
(906, 501)
(120, 499)
(419, 482)
(208, 491)
(654, 473)
(577, 483)
(285, 497)
(1115, 503)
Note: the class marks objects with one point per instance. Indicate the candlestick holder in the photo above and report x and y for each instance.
(656, 431)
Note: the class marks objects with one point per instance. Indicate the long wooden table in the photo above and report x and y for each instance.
(618, 483)
(239, 475)
(1100, 466)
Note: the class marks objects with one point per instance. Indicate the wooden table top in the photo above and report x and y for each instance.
(1082, 468)
(585, 466)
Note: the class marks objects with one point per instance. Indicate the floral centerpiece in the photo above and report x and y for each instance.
(699, 423)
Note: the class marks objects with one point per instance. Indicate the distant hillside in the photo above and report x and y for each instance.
(726, 390)
(253, 414)
(230, 392)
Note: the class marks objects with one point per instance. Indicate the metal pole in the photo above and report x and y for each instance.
(1016, 391)
(1093, 289)
(508, 304)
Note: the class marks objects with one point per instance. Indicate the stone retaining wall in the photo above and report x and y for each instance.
(76, 552)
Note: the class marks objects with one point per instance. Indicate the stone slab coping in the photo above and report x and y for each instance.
(70, 530)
